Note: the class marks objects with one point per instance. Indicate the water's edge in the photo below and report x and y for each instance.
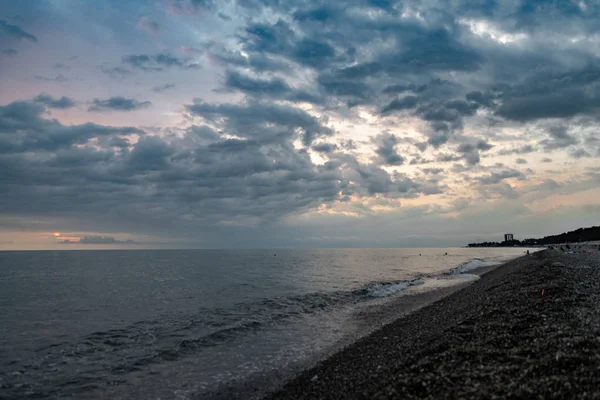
(372, 319)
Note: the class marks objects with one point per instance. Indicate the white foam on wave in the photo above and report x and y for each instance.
(388, 289)
(433, 283)
(474, 264)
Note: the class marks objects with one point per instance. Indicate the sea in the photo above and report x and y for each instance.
(199, 324)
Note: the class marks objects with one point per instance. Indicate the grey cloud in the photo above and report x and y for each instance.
(518, 150)
(15, 31)
(98, 240)
(447, 158)
(579, 153)
(51, 102)
(258, 62)
(433, 171)
(190, 6)
(479, 98)
(546, 160)
(559, 138)
(470, 151)
(499, 176)
(10, 52)
(559, 94)
(564, 104)
(158, 62)
(386, 149)
(273, 87)
(359, 71)
(23, 129)
(321, 14)
(147, 24)
(436, 50)
(403, 103)
(310, 52)
(438, 139)
(118, 103)
(280, 39)
(500, 189)
(324, 147)
(162, 88)
(61, 66)
(57, 78)
(251, 119)
(521, 161)
(115, 72)
(547, 186)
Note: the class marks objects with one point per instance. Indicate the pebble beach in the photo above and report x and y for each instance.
(527, 329)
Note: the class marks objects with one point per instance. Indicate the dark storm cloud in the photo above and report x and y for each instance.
(15, 31)
(252, 119)
(276, 87)
(311, 52)
(118, 103)
(51, 102)
(158, 62)
(520, 83)
(162, 88)
(10, 52)
(566, 103)
(436, 50)
(403, 103)
(554, 94)
(22, 129)
(179, 181)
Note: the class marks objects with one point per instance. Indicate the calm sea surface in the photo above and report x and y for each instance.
(183, 323)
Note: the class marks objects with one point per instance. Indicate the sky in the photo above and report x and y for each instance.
(300, 123)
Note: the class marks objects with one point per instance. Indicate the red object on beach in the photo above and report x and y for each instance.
(542, 292)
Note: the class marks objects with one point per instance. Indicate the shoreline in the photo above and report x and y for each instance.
(474, 342)
(368, 321)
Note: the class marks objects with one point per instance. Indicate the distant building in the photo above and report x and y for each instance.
(508, 237)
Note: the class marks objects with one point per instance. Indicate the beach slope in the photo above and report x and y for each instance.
(498, 337)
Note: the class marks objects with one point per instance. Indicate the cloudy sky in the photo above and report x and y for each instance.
(267, 123)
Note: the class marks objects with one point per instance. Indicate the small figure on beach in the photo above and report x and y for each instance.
(527, 252)
(446, 254)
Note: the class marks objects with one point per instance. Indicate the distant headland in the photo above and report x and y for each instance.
(577, 236)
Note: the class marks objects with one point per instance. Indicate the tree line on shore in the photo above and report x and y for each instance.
(576, 236)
